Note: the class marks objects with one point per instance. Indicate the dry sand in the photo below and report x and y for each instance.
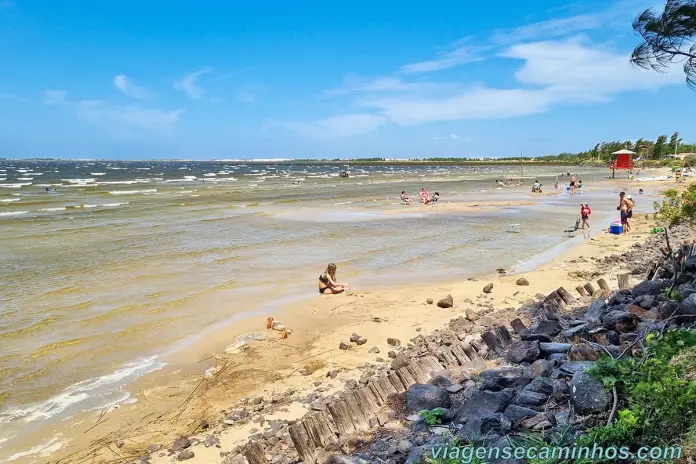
(272, 366)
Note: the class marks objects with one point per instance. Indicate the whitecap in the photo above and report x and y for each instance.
(110, 205)
(10, 200)
(25, 178)
(13, 213)
(81, 391)
(97, 173)
(79, 181)
(61, 208)
(89, 206)
(15, 185)
(132, 192)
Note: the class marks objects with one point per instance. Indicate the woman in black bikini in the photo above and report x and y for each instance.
(327, 281)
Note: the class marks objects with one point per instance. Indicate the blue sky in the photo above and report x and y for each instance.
(220, 79)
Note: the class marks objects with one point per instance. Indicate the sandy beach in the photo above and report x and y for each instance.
(209, 374)
(272, 367)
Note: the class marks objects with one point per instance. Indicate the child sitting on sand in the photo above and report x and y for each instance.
(424, 195)
(405, 198)
(327, 282)
(433, 199)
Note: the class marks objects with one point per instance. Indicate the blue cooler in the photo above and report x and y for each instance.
(616, 228)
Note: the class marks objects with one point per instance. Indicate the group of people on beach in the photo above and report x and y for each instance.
(425, 197)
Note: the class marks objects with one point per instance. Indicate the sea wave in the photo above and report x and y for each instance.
(60, 208)
(13, 213)
(95, 389)
(15, 185)
(43, 450)
(132, 192)
(10, 200)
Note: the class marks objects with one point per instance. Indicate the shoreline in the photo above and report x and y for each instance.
(329, 321)
(183, 370)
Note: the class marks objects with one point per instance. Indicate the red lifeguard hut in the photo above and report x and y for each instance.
(623, 160)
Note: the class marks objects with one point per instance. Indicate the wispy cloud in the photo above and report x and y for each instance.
(448, 137)
(127, 87)
(464, 52)
(189, 84)
(553, 73)
(114, 117)
(354, 84)
(346, 125)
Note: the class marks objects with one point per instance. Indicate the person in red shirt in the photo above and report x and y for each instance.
(585, 212)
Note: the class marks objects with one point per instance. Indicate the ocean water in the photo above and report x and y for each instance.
(124, 262)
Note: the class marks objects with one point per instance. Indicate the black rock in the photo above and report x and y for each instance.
(540, 368)
(504, 377)
(645, 302)
(441, 381)
(496, 422)
(543, 385)
(649, 287)
(530, 399)
(576, 331)
(596, 310)
(446, 302)
(180, 444)
(522, 351)
(554, 347)
(587, 394)
(618, 320)
(560, 387)
(558, 358)
(534, 337)
(483, 403)
(686, 290)
(423, 396)
(546, 327)
(679, 312)
(519, 413)
(573, 367)
(690, 264)
(612, 337)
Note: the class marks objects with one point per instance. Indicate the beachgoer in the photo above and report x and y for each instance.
(327, 281)
(433, 199)
(623, 208)
(640, 191)
(579, 184)
(405, 198)
(585, 212)
(629, 211)
(536, 187)
(424, 195)
(572, 185)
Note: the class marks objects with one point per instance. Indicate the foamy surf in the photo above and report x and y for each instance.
(89, 394)
(132, 192)
(43, 450)
(13, 213)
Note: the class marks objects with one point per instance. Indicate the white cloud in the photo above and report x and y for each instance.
(463, 53)
(355, 84)
(346, 125)
(553, 73)
(125, 85)
(110, 116)
(189, 85)
(549, 29)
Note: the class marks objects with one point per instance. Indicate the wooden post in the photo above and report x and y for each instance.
(518, 326)
(590, 289)
(581, 290)
(565, 295)
(623, 281)
(603, 285)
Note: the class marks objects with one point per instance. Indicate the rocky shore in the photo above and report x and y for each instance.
(481, 382)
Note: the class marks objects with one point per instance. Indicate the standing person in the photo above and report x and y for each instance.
(572, 185)
(424, 195)
(405, 198)
(327, 282)
(629, 211)
(623, 208)
(585, 212)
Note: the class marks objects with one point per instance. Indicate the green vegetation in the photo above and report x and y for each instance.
(432, 417)
(656, 391)
(671, 294)
(677, 207)
(668, 38)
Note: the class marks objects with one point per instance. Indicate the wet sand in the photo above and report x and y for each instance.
(272, 366)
